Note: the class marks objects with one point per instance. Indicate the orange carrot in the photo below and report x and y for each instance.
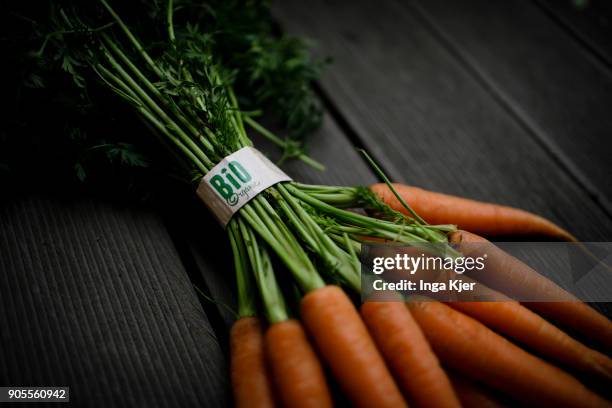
(506, 273)
(408, 354)
(296, 369)
(514, 320)
(469, 347)
(471, 395)
(250, 381)
(471, 215)
(343, 340)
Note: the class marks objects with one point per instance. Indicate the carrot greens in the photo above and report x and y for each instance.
(182, 90)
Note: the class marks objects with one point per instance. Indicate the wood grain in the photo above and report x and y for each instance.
(427, 119)
(589, 21)
(551, 83)
(95, 298)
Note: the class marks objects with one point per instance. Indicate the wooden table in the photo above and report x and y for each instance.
(507, 101)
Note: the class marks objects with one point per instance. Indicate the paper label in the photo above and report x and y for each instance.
(236, 180)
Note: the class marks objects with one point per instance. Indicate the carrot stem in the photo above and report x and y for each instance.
(244, 280)
(274, 303)
(382, 174)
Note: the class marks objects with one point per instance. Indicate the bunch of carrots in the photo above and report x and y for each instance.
(423, 352)
(300, 241)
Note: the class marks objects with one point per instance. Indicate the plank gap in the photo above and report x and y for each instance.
(194, 273)
(575, 34)
(558, 156)
(349, 132)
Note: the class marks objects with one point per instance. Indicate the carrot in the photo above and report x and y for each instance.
(471, 395)
(471, 215)
(343, 340)
(506, 273)
(469, 347)
(514, 320)
(296, 369)
(250, 381)
(408, 354)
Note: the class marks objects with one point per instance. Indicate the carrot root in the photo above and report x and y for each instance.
(515, 321)
(345, 344)
(408, 354)
(251, 383)
(471, 215)
(298, 374)
(522, 280)
(470, 348)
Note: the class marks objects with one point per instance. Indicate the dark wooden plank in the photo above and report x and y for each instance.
(590, 21)
(552, 84)
(206, 252)
(96, 298)
(427, 119)
(207, 244)
(331, 146)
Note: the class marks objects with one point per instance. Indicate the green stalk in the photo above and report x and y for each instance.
(285, 234)
(351, 245)
(133, 39)
(340, 214)
(170, 21)
(337, 200)
(282, 143)
(159, 111)
(180, 116)
(271, 295)
(328, 250)
(244, 280)
(382, 174)
(238, 117)
(170, 25)
(151, 118)
(298, 226)
(274, 225)
(306, 276)
(160, 126)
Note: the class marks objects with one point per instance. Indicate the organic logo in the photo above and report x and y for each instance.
(229, 180)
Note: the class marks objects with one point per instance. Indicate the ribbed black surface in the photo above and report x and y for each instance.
(96, 298)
